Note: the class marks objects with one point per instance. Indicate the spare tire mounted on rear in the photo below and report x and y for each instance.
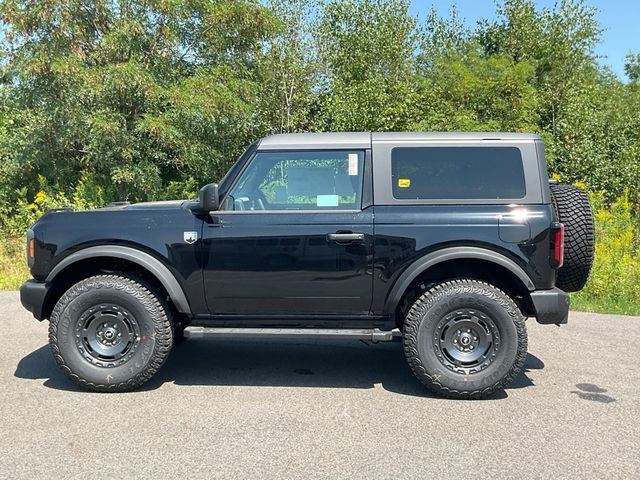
(574, 211)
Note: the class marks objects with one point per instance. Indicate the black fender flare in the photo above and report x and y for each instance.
(443, 255)
(148, 262)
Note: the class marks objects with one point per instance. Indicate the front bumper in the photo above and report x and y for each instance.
(552, 306)
(33, 296)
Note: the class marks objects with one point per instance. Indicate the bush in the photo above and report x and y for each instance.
(28, 210)
(13, 263)
(614, 284)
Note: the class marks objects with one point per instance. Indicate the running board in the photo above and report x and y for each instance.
(370, 335)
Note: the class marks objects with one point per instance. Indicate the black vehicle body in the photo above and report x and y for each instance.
(360, 267)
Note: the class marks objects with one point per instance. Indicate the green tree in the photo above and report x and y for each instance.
(288, 69)
(143, 100)
(632, 67)
(368, 53)
(130, 94)
(472, 92)
(440, 37)
(560, 42)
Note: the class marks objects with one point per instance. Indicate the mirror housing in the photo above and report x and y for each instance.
(208, 198)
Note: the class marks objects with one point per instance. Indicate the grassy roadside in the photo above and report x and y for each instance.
(614, 283)
(13, 264)
(583, 303)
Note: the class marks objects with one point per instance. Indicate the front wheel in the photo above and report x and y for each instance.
(110, 333)
(465, 339)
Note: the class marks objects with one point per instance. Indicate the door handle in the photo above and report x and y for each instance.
(346, 237)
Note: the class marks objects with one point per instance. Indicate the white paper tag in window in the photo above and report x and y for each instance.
(353, 164)
(327, 201)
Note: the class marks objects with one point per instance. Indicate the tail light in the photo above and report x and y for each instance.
(557, 245)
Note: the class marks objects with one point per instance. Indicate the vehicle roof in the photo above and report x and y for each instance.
(364, 139)
(313, 140)
(437, 136)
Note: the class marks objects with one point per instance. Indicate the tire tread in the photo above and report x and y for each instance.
(574, 211)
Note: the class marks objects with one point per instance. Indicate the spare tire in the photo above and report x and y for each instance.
(574, 211)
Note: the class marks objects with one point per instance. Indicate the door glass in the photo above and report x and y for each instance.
(323, 180)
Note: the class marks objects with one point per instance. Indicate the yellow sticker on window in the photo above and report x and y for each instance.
(404, 182)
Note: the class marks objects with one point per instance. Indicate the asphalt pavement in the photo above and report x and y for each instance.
(318, 409)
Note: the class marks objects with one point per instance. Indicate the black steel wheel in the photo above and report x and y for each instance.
(465, 339)
(110, 332)
(107, 335)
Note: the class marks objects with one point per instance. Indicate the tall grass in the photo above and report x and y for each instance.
(614, 284)
(13, 263)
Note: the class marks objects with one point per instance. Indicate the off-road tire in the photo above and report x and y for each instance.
(149, 346)
(574, 211)
(421, 335)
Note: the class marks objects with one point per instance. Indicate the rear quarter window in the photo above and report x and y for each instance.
(436, 173)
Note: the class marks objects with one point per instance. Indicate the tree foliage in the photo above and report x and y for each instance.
(129, 100)
(129, 95)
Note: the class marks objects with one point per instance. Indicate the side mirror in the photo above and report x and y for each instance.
(208, 197)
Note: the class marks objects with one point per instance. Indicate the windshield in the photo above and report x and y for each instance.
(226, 181)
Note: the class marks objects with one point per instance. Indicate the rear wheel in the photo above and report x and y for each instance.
(465, 339)
(110, 333)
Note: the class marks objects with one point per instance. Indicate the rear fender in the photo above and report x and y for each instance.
(452, 253)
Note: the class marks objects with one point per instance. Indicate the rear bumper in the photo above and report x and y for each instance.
(552, 306)
(33, 296)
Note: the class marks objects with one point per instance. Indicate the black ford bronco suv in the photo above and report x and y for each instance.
(447, 241)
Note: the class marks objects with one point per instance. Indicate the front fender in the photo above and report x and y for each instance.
(148, 262)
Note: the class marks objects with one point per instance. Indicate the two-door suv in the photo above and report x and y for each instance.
(447, 241)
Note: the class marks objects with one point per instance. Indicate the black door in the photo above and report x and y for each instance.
(292, 238)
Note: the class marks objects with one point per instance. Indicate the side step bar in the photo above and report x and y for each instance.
(369, 335)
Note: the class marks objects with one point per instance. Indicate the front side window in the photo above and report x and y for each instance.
(320, 180)
(434, 173)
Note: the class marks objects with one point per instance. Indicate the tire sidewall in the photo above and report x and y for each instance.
(104, 293)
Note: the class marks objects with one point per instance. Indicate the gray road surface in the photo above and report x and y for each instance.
(243, 409)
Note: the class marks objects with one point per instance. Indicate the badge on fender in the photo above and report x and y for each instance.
(190, 237)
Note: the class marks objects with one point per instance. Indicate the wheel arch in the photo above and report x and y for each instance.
(459, 262)
(101, 255)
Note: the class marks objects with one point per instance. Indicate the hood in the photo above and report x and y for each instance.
(166, 204)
